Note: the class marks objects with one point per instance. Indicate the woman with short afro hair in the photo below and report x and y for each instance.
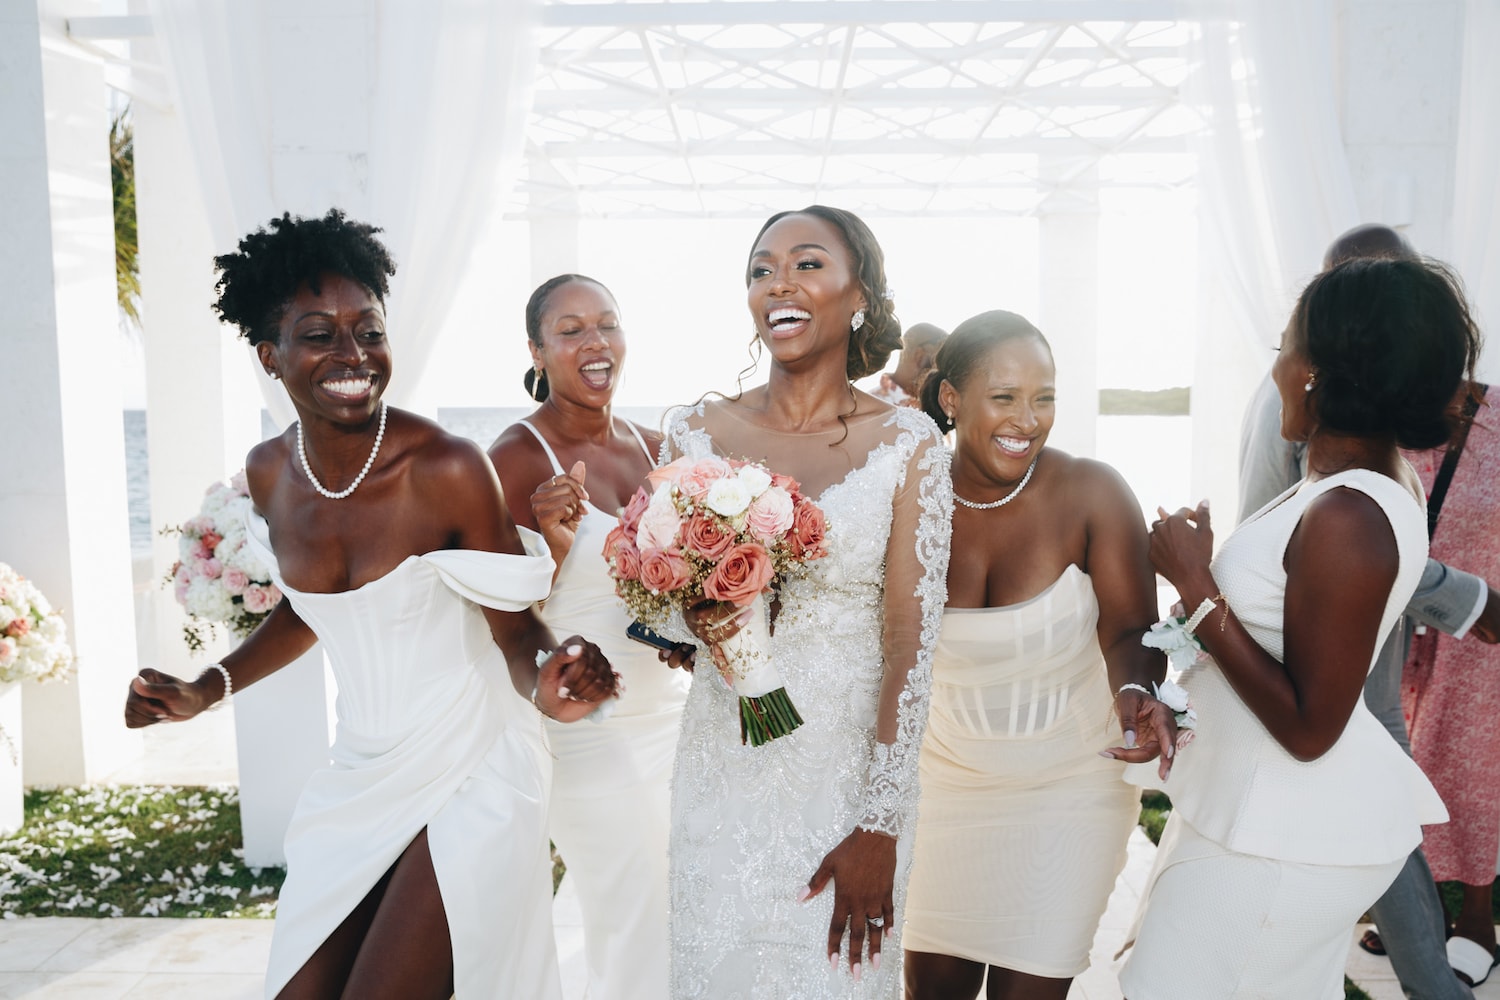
(417, 862)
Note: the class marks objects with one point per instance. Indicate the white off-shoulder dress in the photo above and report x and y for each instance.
(430, 734)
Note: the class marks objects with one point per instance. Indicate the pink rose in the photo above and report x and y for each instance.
(663, 572)
(707, 536)
(661, 522)
(18, 627)
(261, 598)
(672, 472)
(199, 552)
(809, 531)
(704, 473)
(235, 581)
(181, 573)
(9, 652)
(179, 591)
(740, 576)
(211, 568)
(630, 517)
(623, 557)
(211, 540)
(785, 482)
(239, 484)
(770, 514)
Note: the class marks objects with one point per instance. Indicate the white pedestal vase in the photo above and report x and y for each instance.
(281, 737)
(12, 791)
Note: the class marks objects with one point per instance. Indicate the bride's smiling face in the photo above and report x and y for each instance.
(331, 351)
(803, 291)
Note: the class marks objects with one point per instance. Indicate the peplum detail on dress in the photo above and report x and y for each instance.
(431, 734)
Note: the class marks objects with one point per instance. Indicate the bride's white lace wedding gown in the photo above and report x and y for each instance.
(853, 640)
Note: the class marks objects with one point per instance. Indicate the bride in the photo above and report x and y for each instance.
(789, 860)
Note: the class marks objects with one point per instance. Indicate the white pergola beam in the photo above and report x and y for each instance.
(862, 12)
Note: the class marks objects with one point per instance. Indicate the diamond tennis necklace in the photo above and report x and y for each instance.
(1003, 500)
(379, 436)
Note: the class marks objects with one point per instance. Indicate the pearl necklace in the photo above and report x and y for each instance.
(1005, 499)
(379, 436)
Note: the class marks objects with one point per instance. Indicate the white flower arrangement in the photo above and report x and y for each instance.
(217, 579)
(33, 637)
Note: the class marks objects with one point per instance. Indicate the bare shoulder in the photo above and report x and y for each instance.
(652, 436)
(513, 441)
(1352, 528)
(1096, 487)
(264, 466)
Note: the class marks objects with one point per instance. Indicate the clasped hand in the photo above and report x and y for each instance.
(574, 679)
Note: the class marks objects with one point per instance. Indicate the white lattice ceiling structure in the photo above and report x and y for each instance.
(705, 108)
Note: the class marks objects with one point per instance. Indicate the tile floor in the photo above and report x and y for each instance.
(63, 958)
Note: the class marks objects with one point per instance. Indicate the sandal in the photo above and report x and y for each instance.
(1370, 942)
(1471, 960)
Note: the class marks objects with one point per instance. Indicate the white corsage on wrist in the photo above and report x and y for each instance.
(1175, 697)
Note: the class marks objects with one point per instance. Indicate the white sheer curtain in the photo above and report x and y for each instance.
(1274, 189)
(1476, 182)
(411, 116)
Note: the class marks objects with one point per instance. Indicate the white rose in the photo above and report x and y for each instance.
(8, 652)
(755, 479)
(6, 616)
(1173, 695)
(209, 600)
(728, 497)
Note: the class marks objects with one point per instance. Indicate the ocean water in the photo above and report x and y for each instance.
(479, 424)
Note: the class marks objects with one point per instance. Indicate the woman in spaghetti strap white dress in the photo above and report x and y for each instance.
(1293, 810)
(416, 862)
(1022, 827)
(566, 470)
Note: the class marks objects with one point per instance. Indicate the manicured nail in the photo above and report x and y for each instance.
(803, 893)
(1106, 753)
(574, 649)
(1169, 751)
(856, 971)
(875, 961)
(562, 692)
(1130, 739)
(833, 961)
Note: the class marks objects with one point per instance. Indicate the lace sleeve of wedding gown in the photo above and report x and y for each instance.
(916, 589)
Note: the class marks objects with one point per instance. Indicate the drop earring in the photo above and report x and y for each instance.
(1312, 382)
(857, 320)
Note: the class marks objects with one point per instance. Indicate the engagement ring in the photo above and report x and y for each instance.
(875, 922)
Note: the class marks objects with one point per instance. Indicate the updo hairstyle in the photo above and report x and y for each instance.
(965, 350)
(880, 335)
(258, 281)
(1389, 342)
(536, 307)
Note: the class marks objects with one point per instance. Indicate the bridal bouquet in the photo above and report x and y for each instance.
(216, 578)
(33, 637)
(720, 530)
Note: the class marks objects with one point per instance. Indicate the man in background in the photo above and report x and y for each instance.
(919, 347)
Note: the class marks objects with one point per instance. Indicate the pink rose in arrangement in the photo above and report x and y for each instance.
(660, 524)
(707, 536)
(235, 581)
(238, 483)
(209, 567)
(809, 531)
(740, 576)
(18, 627)
(786, 483)
(9, 653)
(695, 482)
(622, 555)
(668, 474)
(663, 571)
(211, 540)
(261, 598)
(770, 514)
(630, 517)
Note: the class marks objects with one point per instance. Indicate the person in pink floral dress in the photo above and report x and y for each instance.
(1451, 693)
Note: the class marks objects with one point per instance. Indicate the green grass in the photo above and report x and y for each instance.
(133, 851)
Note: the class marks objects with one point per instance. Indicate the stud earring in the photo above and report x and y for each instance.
(857, 320)
(1312, 382)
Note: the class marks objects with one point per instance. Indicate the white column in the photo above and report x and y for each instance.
(63, 518)
(202, 403)
(1068, 315)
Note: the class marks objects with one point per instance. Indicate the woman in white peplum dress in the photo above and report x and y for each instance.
(1022, 826)
(417, 860)
(611, 784)
(1293, 810)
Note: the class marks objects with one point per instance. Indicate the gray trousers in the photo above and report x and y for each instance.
(1410, 914)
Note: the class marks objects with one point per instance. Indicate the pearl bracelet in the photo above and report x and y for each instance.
(1134, 687)
(1191, 625)
(228, 685)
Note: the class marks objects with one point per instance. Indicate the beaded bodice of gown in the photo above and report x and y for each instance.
(750, 825)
